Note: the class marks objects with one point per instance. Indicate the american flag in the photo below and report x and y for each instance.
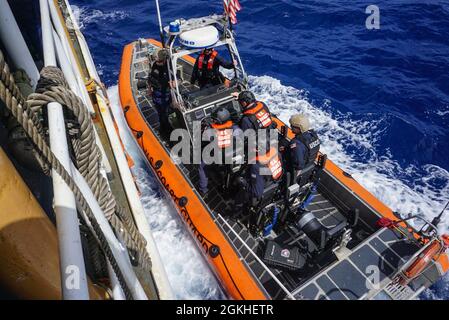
(231, 8)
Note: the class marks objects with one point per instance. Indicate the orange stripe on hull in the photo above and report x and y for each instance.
(236, 278)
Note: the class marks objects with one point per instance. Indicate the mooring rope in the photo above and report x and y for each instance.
(52, 87)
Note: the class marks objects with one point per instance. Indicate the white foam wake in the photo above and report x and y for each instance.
(85, 16)
(187, 271)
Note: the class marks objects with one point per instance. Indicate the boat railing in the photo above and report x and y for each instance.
(195, 23)
(264, 266)
(176, 52)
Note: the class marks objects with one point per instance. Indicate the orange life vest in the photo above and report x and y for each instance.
(260, 115)
(224, 134)
(273, 162)
(210, 62)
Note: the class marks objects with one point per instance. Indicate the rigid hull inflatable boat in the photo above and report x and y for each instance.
(357, 236)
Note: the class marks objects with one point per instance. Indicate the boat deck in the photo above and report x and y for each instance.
(381, 255)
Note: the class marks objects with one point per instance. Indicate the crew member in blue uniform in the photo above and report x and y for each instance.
(261, 173)
(256, 121)
(207, 68)
(159, 83)
(304, 147)
(256, 115)
(224, 133)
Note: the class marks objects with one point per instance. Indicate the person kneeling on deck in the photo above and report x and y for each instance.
(261, 182)
(303, 148)
(159, 83)
(207, 69)
(224, 133)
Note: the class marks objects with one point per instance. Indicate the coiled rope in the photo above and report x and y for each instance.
(52, 87)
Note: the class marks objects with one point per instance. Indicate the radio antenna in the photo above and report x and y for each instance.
(436, 221)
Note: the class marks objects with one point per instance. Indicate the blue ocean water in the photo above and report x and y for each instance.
(379, 98)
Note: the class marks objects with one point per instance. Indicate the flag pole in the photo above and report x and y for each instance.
(161, 30)
(228, 17)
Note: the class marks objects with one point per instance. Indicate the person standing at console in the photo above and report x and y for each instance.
(206, 70)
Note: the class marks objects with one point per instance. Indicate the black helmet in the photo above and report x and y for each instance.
(246, 96)
(221, 115)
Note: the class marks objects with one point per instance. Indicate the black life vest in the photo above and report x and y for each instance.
(312, 144)
(259, 115)
(159, 78)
